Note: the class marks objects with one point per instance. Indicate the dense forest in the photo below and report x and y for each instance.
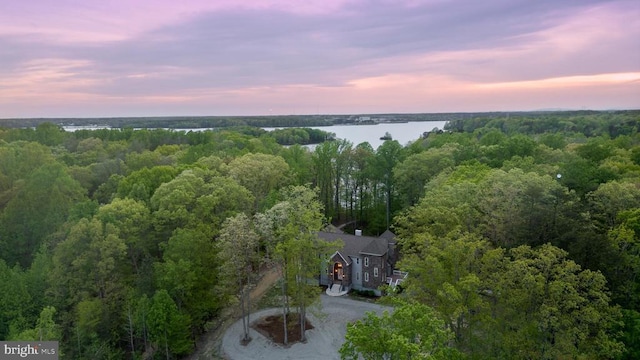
(521, 234)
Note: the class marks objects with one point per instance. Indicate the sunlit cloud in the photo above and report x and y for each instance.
(44, 76)
(205, 57)
(567, 82)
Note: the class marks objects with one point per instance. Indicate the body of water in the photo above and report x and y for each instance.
(356, 134)
(402, 132)
(72, 128)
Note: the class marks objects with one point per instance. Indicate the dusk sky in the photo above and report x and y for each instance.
(90, 58)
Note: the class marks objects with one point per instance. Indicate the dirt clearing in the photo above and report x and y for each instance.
(323, 341)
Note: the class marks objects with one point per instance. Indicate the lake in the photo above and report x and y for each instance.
(356, 134)
(402, 132)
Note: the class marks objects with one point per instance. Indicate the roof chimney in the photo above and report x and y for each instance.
(358, 232)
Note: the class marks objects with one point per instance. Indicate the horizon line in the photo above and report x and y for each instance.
(557, 110)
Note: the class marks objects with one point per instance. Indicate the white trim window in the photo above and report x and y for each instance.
(375, 271)
(366, 277)
(366, 261)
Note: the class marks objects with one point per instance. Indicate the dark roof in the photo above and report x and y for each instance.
(388, 235)
(347, 260)
(356, 245)
(377, 247)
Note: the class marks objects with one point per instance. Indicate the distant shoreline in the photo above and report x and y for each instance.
(199, 122)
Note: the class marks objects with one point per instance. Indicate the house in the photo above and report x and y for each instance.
(363, 263)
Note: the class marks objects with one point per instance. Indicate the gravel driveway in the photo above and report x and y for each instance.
(323, 341)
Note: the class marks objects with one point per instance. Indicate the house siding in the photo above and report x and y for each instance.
(375, 282)
(324, 276)
(357, 269)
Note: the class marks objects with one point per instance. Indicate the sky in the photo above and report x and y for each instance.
(104, 58)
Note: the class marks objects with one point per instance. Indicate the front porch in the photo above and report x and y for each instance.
(339, 276)
(337, 290)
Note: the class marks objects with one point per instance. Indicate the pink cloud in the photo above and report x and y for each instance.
(110, 59)
(566, 82)
(73, 21)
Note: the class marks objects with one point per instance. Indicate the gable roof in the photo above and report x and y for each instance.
(356, 245)
(346, 261)
(388, 234)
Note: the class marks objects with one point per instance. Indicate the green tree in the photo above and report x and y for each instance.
(610, 198)
(583, 176)
(300, 163)
(89, 261)
(415, 171)
(631, 334)
(446, 274)
(18, 160)
(141, 319)
(223, 198)
(198, 199)
(294, 223)
(46, 328)
(141, 184)
(524, 303)
(36, 277)
(39, 207)
(413, 331)
(550, 308)
(238, 255)
(553, 140)
(387, 156)
(606, 240)
(173, 202)
(342, 166)
(324, 175)
(362, 157)
(446, 206)
(517, 145)
(259, 173)
(595, 150)
(147, 159)
(89, 150)
(188, 273)
(14, 300)
(49, 134)
(623, 266)
(168, 327)
(133, 221)
(521, 208)
(90, 278)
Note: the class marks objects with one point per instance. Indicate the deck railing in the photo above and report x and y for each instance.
(397, 278)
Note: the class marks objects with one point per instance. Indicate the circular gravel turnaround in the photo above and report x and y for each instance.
(323, 341)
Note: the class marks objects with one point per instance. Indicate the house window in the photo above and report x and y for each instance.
(358, 261)
(375, 272)
(366, 276)
(358, 276)
(366, 261)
